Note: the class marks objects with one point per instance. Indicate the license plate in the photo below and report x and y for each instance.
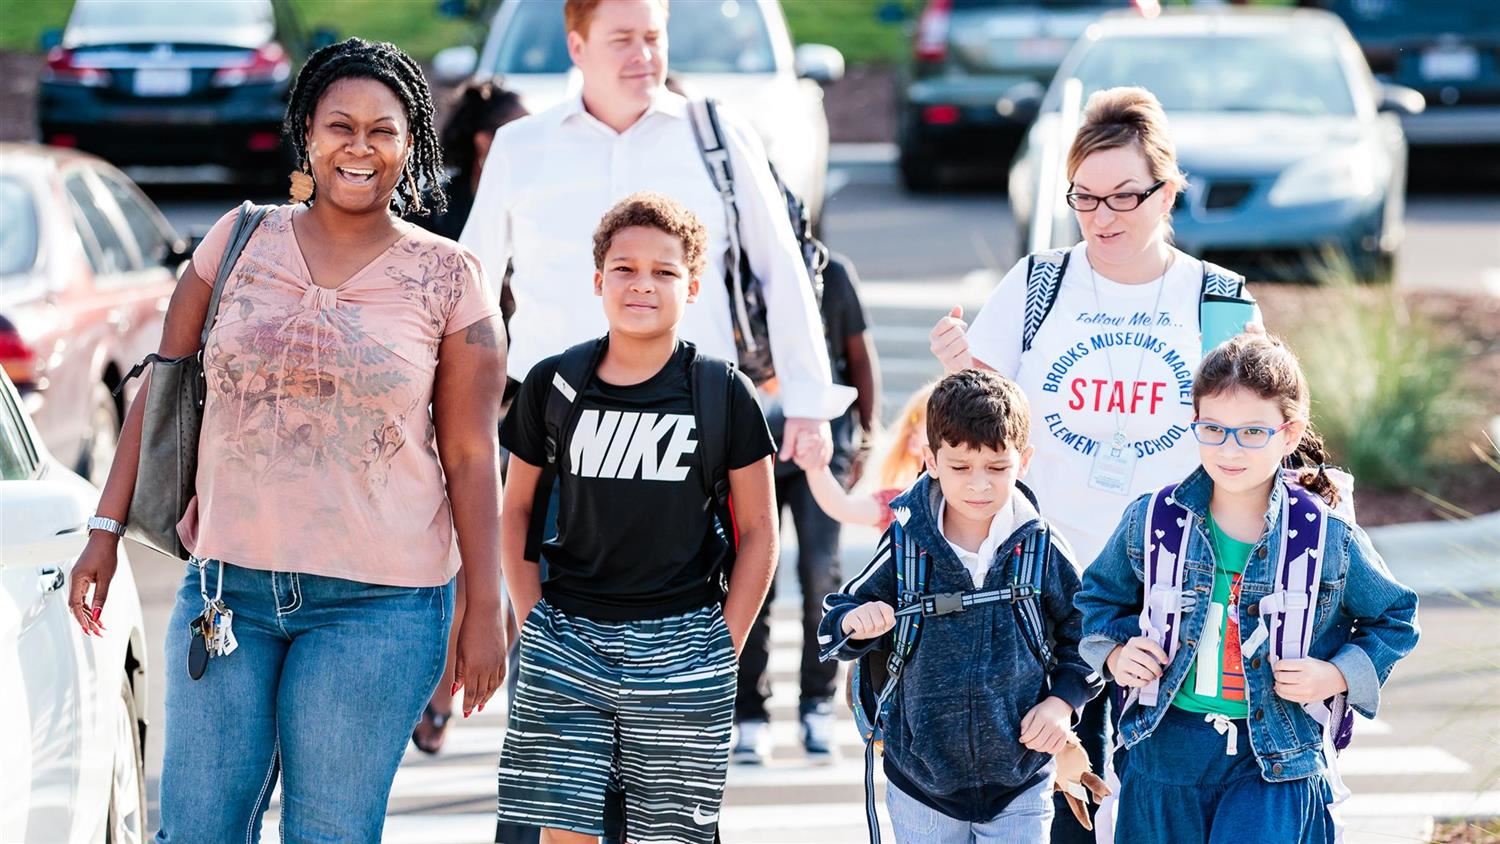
(163, 81)
(1453, 63)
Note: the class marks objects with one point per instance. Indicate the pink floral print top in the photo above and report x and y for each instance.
(318, 453)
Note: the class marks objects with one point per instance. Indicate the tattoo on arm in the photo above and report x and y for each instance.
(482, 333)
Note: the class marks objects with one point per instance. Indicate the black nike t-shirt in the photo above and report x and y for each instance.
(635, 533)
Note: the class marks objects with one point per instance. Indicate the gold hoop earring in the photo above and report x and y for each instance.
(302, 184)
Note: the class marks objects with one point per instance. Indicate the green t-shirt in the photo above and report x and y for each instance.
(1228, 697)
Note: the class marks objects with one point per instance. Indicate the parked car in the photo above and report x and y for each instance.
(174, 83)
(969, 55)
(72, 723)
(739, 52)
(1294, 152)
(1449, 51)
(86, 271)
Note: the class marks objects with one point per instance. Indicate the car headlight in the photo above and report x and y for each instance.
(1347, 173)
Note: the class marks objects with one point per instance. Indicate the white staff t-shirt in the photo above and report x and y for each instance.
(1108, 355)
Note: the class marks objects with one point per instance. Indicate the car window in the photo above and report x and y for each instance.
(728, 36)
(1280, 72)
(17, 457)
(150, 240)
(172, 14)
(110, 254)
(18, 227)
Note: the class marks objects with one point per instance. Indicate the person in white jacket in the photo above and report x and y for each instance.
(550, 177)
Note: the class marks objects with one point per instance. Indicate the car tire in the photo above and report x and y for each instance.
(104, 436)
(127, 791)
(919, 173)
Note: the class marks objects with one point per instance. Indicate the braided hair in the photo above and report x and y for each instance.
(480, 106)
(385, 63)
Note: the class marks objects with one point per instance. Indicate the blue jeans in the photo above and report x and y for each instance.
(1027, 820)
(328, 681)
(1179, 784)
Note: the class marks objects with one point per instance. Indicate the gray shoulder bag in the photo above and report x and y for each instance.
(166, 479)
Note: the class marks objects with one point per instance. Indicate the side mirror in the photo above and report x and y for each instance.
(1401, 99)
(819, 62)
(51, 38)
(454, 64)
(1021, 101)
(891, 12)
(322, 37)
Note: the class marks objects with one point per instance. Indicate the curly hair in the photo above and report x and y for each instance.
(655, 211)
(421, 189)
(979, 409)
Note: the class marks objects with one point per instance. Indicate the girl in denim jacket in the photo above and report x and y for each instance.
(1228, 752)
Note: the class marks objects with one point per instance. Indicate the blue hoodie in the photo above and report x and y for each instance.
(952, 737)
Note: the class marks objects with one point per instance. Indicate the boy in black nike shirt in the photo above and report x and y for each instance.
(628, 650)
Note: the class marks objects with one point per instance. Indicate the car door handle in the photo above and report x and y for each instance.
(50, 579)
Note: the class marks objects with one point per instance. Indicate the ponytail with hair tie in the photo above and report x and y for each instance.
(1310, 462)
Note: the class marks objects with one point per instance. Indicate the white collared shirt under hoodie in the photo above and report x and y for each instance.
(549, 179)
(978, 562)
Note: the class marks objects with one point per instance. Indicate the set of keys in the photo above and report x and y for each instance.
(213, 630)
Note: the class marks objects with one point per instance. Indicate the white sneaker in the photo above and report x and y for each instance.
(751, 744)
(817, 735)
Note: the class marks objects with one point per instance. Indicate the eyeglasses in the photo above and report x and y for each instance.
(1115, 201)
(1247, 436)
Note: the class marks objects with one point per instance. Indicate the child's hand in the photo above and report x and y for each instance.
(1308, 680)
(1045, 728)
(867, 621)
(808, 452)
(1137, 662)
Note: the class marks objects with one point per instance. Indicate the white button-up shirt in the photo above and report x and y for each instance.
(551, 177)
(978, 562)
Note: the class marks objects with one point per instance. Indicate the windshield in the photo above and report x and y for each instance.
(1284, 72)
(170, 14)
(18, 231)
(704, 36)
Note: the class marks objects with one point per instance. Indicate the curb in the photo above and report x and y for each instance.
(1443, 558)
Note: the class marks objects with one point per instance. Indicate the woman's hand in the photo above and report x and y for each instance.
(1308, 680)
(950, 342)
(1137, 662)
(96, 568)
(480, 664)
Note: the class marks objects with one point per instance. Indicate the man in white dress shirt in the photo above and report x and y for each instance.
(550, 177)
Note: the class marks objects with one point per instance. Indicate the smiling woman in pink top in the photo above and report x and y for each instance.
(348, 464)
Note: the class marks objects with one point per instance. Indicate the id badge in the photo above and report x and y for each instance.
(1114, 467)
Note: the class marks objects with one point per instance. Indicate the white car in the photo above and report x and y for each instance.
(736, 51)
(72, 725)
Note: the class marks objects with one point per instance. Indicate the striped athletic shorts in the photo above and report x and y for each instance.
(643, 706)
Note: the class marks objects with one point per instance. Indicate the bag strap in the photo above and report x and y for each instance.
(713, 390)
(1218, 281)
(1165, 557)
(574, 371)
(709, 130)
(1030, 561)
(245, 226)
(1044, 275)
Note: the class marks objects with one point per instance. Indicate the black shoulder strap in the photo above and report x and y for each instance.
(1218, 281)
(1044, 277)
(713, 389)
(574, 371)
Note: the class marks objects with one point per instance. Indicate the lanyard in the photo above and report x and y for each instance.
(1119, 439)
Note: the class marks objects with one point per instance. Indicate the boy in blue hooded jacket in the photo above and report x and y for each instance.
(976, 718)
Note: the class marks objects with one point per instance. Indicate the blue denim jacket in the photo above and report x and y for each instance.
(952, 738)
(1365, 622)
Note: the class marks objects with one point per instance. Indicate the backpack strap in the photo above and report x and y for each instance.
(1218, 281)
(1286, 615)
(1044, 275)
(1029, 567)
(1163, 597)
(911, 583)
(575, 369)
(713, 389)
(709, 130)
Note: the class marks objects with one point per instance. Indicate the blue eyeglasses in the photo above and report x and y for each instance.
(1247, 436)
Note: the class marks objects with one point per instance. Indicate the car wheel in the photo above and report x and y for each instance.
(919, 174)
(127, 793)
(104, 436)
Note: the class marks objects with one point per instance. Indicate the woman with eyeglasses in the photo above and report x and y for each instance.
(1104, 338)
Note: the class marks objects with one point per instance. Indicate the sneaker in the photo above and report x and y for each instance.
(817, 733)
(751, 744)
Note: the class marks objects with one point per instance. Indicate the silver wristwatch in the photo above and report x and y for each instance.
(105, 523)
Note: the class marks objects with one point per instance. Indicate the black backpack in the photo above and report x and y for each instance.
(711, 384)
(747, 303)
